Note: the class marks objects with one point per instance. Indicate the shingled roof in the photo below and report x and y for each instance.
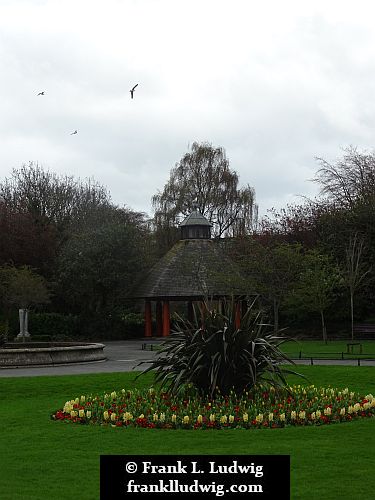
(193, 268)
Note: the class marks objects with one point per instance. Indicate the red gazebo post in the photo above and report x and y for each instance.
(159, 319)
(166, 319)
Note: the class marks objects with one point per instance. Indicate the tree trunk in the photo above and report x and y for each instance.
(275, 315)
(352, 312)
(324, 330)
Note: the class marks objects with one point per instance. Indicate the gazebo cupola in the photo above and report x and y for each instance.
(195, 226)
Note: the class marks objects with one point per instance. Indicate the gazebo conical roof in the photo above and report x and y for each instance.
(192, 269)
(196, 268)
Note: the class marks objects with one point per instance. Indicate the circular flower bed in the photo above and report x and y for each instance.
(295, 405)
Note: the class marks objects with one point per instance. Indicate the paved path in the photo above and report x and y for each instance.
(125, 355)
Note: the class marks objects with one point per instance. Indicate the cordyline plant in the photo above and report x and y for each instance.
(214, 356)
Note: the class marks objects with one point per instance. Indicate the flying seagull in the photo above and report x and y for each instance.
(132, 90)
(75, 132)
(41, 93)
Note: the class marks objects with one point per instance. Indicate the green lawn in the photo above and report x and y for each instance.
(333, 349)
(43, 459)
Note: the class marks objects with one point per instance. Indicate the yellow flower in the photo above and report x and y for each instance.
(105, 415)
(212, 417)
(231, 419)
(127, 416)
(73, 413)
(259, 418)
(83, 399)
(293, 415)
(318, 413)
(245, 417)
(162, 417)
(141, 416)
(270, 417)
(155, 417)
(174, 418)
(113, 417)
(88, 414)
(81, 413)
(76, 401)
(302, 415)
(342, 412)
(313, 416)
(223, 419)
(199, 419)
(282, 417)
(186, 419)
(327, 411)
(113, 395)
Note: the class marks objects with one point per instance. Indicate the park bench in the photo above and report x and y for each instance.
(364, 329)
(350, 347)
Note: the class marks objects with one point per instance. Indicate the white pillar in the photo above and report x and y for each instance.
(24, 324)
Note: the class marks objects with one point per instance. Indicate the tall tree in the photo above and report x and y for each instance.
(97, 266)
(50, 198)
(270, 270)
(350, 180)
(354, 270)
(316, 286)
(203, 180)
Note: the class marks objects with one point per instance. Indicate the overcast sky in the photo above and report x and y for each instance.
(275, 83)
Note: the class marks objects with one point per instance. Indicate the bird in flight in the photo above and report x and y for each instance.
(75, 132)
(41, 93)
(132, 90)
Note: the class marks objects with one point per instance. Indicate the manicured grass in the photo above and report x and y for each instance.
(43, 459)
(332, 349)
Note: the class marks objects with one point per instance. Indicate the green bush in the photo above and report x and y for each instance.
(117, 325)
(52, 326)
(219, 357)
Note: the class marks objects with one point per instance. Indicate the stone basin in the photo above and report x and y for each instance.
(49, 353)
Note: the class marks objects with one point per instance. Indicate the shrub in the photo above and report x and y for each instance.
(53, 326)
(217, 357)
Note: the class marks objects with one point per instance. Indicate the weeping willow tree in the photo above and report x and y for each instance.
(203, 180)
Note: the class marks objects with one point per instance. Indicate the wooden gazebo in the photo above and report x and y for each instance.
(196, 268)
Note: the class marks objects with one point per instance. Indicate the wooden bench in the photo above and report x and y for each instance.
(366, 329)
(350, 347)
